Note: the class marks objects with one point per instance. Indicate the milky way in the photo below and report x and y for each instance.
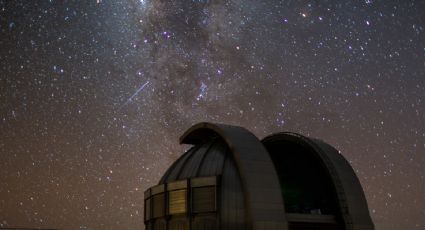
(94, 95)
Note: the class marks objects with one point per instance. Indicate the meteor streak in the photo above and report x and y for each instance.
(130, 99)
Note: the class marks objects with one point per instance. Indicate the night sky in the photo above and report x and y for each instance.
(95, 94)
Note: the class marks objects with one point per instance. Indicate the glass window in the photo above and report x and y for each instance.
(158, 205)
(147, 209)
(177, 201)
(203, 199)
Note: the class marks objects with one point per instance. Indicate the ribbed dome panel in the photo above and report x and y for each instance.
(206, 159)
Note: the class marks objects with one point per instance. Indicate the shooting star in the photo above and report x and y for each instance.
(130, 99)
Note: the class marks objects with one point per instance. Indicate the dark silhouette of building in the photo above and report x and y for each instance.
(230, 180)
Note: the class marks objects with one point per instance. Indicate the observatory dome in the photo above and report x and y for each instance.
(231, 180)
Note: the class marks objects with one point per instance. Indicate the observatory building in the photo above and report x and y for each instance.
(230, 180)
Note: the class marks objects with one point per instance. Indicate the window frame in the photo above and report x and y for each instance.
(177, 186)
(204, 182)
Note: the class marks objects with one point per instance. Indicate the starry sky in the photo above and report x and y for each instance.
(94, 95)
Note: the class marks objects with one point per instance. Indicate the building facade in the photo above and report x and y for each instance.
(231, 180)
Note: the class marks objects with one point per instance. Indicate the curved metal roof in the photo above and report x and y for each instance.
(263, 201)
(203, 160)
(215, 144)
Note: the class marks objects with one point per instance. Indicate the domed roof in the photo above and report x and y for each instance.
(281, 182)
(202, 160)
(236, 156)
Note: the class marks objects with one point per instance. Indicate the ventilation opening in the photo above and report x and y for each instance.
(307, 190)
